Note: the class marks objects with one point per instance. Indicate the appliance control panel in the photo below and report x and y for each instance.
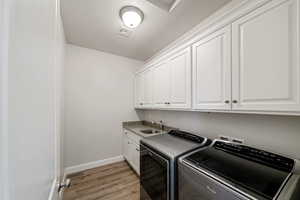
(264, 157)
(187, 136)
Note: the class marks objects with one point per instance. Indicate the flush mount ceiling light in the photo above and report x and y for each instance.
(131, 16)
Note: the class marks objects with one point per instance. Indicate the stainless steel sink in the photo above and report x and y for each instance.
(150, 131)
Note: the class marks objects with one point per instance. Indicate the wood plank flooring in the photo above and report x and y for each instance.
(111, 182)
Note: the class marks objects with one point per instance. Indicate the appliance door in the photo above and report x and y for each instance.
(154, 175)
(194, 185)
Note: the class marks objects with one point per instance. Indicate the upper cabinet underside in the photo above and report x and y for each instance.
(248, 65)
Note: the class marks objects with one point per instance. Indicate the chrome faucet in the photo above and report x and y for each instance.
(162, 126)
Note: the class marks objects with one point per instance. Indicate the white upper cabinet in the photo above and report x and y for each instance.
(212, 71)
(139, 90)
(148, 87)
(172, 81)
(144, 89)
(250, 65)
(180, 79)
(161, 83)
(265, 56)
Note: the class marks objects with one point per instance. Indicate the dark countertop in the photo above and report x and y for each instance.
(137, 126)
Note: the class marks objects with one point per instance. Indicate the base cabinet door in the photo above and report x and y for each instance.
(136, 157)
(266, 72)
(126, 148)
(131, 151)
(212, 71)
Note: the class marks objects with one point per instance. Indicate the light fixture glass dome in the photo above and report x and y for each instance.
(131, 16)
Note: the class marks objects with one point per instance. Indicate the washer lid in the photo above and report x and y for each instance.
(250, 170)
(173, 145)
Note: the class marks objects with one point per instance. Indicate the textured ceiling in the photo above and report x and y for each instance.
(96, 24)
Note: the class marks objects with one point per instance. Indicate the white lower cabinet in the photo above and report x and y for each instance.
(131, 150)
(126, 144)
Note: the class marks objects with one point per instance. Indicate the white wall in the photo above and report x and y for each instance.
(29, 93)
(279, 134)
(99, 95)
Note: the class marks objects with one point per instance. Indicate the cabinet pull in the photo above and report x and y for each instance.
(227, 101)
(234, 101)
(167, 103)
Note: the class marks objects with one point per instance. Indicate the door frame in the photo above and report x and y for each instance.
(4, 36)
(59, 54)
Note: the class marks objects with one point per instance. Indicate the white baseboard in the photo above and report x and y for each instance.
(54, 191)
(94, 164)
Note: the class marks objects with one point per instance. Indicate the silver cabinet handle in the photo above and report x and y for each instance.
(211, 190)
(234, 101)
(227, 101)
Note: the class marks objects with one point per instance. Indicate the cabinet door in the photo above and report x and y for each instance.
(131, 153)
(139, 90)
(161, 83)
(136, 157)
(212, 71)
(126, 147)
(266, 58)
(180, 81)
(148, 88)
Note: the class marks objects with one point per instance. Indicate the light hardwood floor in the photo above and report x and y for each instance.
(111, 182)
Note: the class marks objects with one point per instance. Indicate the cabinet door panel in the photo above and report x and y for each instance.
(139, 90)
(212, 71)
(266, 58)
(126, 147)
(136, 157)
(161, 82)
(148, 85)
(180, 88)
